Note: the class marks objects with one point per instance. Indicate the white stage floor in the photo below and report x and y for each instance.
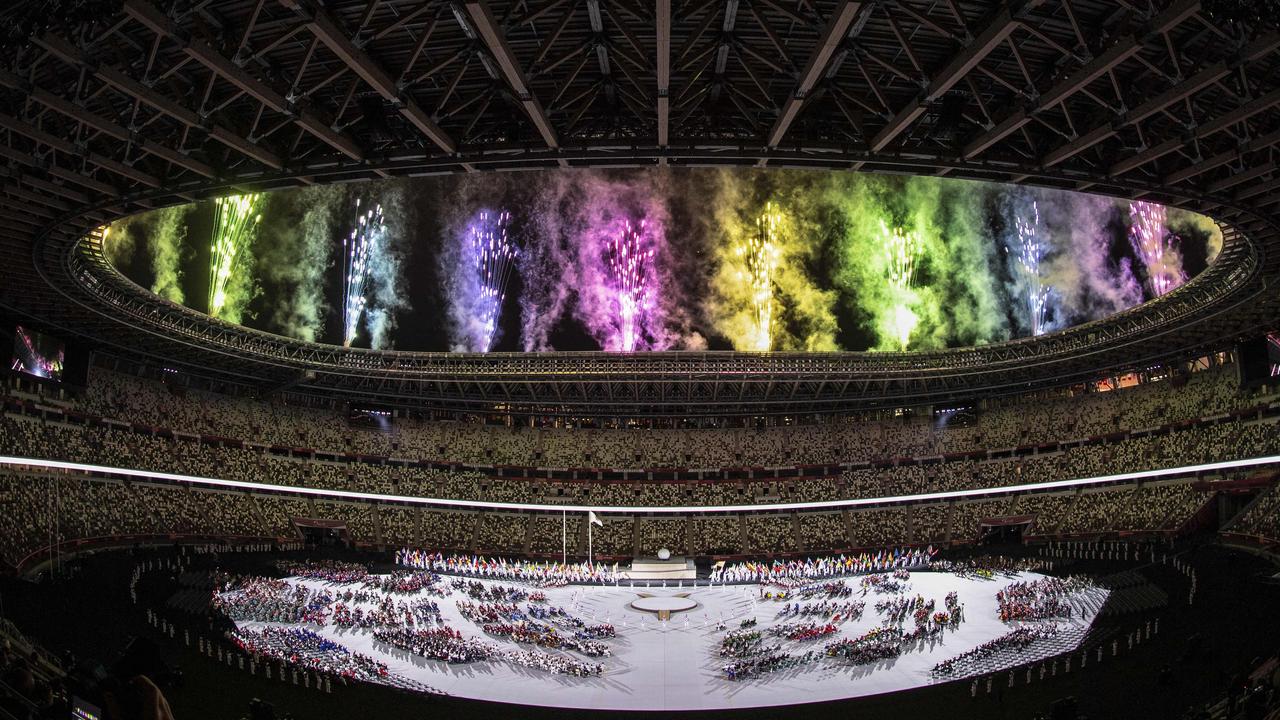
(676, 665)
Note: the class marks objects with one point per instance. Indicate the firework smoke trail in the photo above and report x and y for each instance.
(387, 293)
(494, 257)
(628, 262)
(759, 255)
(1028, 252)
(167, 236)
(369, 226)
(902, 250)
(235, 219)
(1155, 246)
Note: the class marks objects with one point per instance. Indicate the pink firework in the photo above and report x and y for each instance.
(629, 261)
(1155, 246)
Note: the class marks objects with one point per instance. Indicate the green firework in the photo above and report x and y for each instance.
(235, 220)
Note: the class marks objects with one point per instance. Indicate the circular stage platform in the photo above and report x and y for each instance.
(664, 605)
(677, 664)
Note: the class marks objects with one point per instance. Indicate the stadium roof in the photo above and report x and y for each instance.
(114, 107)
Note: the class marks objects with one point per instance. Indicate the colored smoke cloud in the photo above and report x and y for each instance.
(850, 261)
(293, 254)
(386, 289)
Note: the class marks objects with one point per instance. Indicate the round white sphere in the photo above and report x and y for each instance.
(664, 554)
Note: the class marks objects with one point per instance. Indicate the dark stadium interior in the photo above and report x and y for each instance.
(675, 358)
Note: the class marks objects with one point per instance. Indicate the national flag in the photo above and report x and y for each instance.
(591, 516)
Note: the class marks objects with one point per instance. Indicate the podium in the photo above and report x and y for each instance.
(676, 568)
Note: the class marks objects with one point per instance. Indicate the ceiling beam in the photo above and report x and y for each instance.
(200, 51)
(828, 42)
(44, 185)
(494, 38)
(662, 25)
(52, 170)
(1205, 165)
(67, 147)
(1177, 93)
(122, 82)
(326, 29)
(1244, 176)
(996, 30)
(106, 126)
(1199, 132)
(1119, 51)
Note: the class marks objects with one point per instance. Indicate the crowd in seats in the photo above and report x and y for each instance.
(714, 534)
(1157, 507)
(657, 533)
(1029, 420)
(823, 530)
(448, 530)
(878, 528)
(399, 525)
(615, 537)
(41, 510)
(771, 533)
(553, 534)
(501, 533)
(1262, 518)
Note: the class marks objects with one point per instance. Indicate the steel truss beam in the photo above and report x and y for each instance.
(323, 26)
(496, 40)
(996, 30)
(200, 51)
(832, 35)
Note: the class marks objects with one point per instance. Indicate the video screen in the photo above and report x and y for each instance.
(38, 354)
(81, 710)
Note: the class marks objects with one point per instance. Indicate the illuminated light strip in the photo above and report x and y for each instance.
(630, 510)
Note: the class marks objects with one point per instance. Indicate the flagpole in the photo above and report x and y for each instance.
(590, 559)
(564, 536)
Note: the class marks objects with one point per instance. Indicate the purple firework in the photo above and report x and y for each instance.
(1155, 246)
(493, 258)
(629, 261)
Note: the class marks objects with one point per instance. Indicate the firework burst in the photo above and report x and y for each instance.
(902, 253)
(366, 232)
(759, 255)
(628, 262)
(1026, 252)
(494, 258)
(1155, 246)
(235, 219)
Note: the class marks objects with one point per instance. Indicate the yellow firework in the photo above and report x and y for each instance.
(759, 255)
(902, 251)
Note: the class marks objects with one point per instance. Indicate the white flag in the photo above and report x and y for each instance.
(591, 516)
